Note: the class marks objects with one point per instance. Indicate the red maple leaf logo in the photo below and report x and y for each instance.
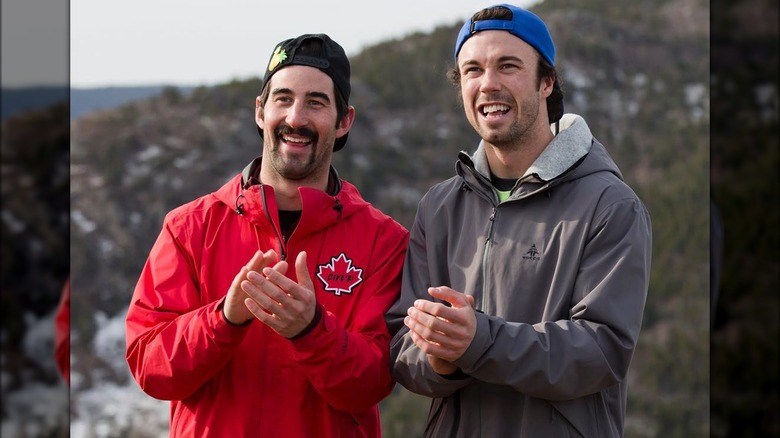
(339, 276)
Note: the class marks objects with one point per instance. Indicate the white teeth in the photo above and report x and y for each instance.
(295, 140)
(493, 108)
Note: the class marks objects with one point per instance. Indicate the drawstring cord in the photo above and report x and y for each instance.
(239, 207)
(338, 207)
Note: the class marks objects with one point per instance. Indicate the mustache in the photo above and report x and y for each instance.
(284, 129)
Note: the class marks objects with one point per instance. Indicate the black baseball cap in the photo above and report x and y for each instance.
(330, 58)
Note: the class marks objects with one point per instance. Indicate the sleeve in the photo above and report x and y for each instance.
(175, 343)
(410, 365)
(592, 349)
(349, 364)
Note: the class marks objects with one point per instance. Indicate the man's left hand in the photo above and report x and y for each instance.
(278, 302)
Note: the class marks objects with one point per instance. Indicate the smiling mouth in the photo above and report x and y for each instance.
(296, 137)
(494, 110)
(296, 141)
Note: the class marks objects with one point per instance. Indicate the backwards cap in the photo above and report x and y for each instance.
(330, 58)
(524, 25)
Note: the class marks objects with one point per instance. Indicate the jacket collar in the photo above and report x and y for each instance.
(251, 176)
(572, 142)
(256, 202)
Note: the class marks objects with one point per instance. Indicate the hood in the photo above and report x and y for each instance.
(573, 153)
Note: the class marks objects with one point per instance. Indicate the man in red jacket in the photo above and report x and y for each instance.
(241, 343)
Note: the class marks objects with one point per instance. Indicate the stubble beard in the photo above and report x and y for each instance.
(298, 167)
(519, 131)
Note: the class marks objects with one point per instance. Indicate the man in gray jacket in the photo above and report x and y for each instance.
(527, 273)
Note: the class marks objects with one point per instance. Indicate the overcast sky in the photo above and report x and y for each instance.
(195, 42)
(34, 42)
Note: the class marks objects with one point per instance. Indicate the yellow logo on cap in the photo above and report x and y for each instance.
(278, 57)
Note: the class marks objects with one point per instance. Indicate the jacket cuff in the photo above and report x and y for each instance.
(221, 309)
(457, 375)
(314, 321)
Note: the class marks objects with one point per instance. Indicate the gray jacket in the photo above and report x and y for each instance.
(559, 273)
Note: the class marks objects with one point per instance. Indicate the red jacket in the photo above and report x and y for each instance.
(228, 381)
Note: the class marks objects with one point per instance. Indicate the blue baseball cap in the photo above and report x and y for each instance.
(524, 25)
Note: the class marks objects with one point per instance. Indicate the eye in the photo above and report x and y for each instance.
(471, 70)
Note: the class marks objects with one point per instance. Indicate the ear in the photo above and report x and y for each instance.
(547, 86)
(345, 123)
(259, 113)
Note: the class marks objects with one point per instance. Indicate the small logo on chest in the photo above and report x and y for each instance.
(532, 254)
(339, 276)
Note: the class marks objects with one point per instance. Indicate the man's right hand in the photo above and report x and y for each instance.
(235, 310)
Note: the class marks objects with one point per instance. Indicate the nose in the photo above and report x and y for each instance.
(296, 114)
(489, 81)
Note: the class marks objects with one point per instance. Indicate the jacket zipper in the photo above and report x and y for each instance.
(486, 260)
(282, 241)
(492, 198)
